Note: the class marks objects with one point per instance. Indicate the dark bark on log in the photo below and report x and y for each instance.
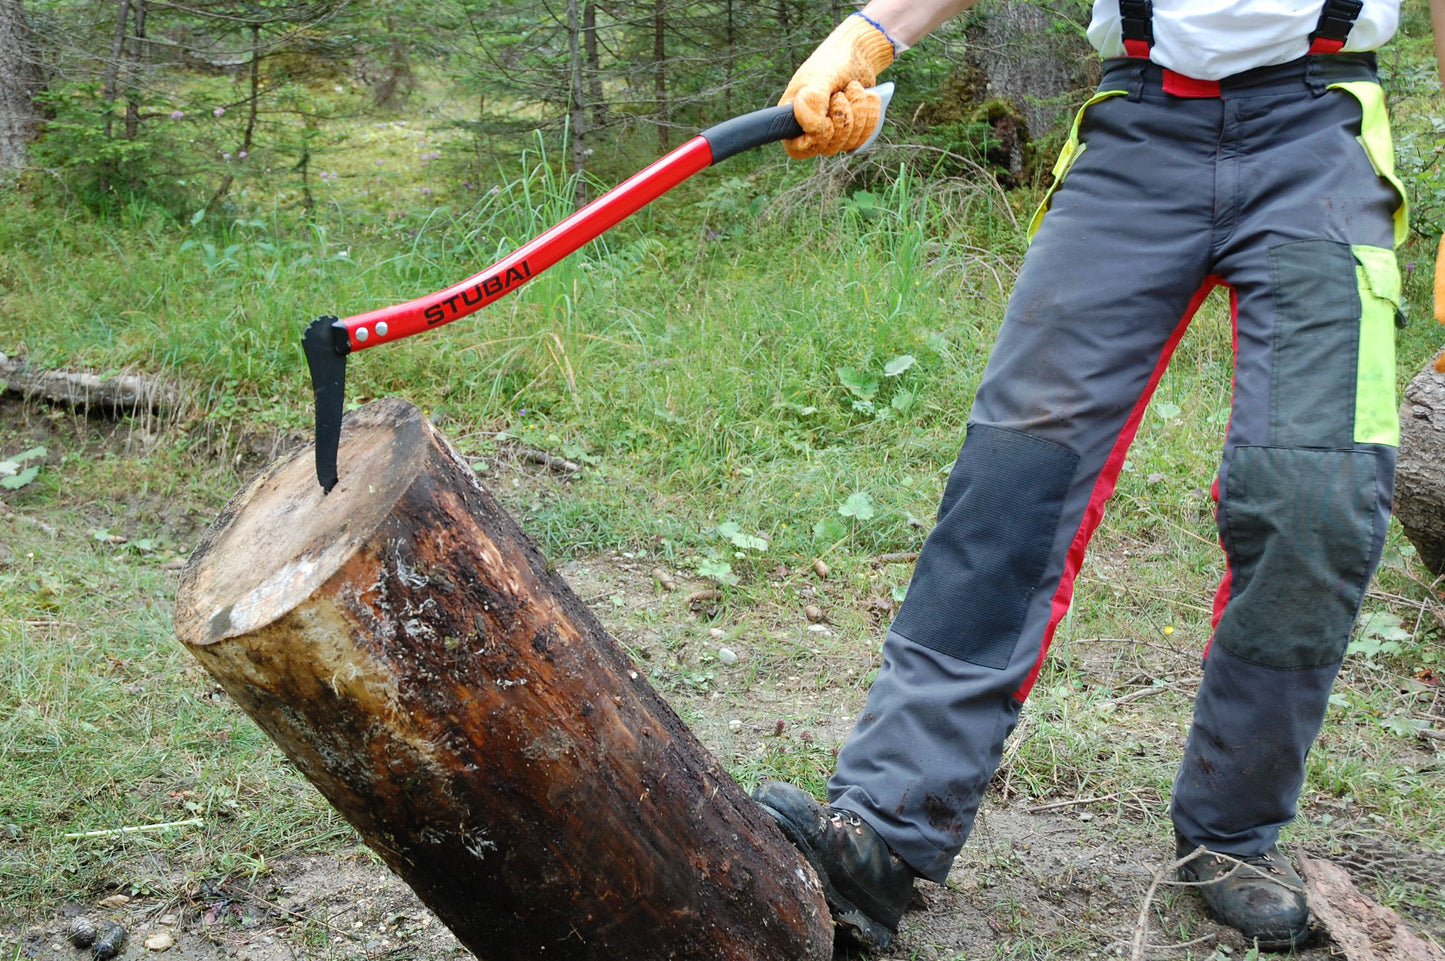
(408, 648)
(113, 395)
(1420, 473)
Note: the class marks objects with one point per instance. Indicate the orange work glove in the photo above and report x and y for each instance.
(1440, 282)
(1440, 297)
(827, 93)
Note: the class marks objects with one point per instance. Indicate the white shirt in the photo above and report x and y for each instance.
(1212, 39)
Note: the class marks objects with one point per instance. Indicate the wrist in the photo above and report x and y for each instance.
(866, 39)
(898, 45)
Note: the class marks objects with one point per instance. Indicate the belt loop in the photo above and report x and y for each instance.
(1137, 69)
(1315, 81)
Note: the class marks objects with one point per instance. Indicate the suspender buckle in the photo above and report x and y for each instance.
(1136, 20)
(1336, 20)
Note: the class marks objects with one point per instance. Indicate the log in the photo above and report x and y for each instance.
(122, 393)
(1420, 471)
(408, 648)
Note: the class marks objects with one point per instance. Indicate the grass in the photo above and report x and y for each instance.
(694, 360)
(105, 723)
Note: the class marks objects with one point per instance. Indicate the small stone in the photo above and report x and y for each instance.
(82, 932)
(727, 656)
(716, 633)
(115, 901)
(109, 942)
(160, 941)
(735, 725)
(814, 613)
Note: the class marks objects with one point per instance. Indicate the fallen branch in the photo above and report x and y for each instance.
(124, 393)
(1149, 691)
(1071, 802)
(549, 461)
(906, 557)
(134, 829)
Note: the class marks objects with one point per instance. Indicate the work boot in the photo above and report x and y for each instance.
(866, 885)
(1261, 896)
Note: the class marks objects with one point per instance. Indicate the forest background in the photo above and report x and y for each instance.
(754, 390)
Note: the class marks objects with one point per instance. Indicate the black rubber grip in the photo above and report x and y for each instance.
(755, 129)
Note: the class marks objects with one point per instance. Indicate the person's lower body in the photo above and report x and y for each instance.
(1271, 191)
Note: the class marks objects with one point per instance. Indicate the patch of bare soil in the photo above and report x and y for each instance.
(333, 907)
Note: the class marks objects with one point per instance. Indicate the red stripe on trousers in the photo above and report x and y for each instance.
(1104, 488)
(1221, 594)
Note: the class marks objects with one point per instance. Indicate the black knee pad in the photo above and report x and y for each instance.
(985, 559)
(1299, 530)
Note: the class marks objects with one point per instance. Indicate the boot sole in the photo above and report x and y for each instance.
(848, 917)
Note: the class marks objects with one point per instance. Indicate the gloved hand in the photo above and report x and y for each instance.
(827, 93)
(1440, 282)
(1440, 297)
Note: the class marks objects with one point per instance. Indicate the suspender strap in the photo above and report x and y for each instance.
(1136, 18)
(1336, 20)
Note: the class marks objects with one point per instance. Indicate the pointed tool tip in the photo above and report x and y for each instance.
(326, 347)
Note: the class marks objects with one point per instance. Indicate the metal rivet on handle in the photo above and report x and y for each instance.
(381, 328)
(362, 333)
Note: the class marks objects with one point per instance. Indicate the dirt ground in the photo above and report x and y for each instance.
(1028, 885)
(1045, 879)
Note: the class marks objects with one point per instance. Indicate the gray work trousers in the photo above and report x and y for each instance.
(1277, 189)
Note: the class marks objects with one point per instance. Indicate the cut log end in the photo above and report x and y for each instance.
(284, 537)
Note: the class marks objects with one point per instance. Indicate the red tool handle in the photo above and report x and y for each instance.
(713, 145)
(529, 260)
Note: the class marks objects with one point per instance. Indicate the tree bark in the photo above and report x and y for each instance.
(1420, 471)
(1363, 929)
(410, 650)
(110, 85)
(20, 80)
(132, 67)
(598, 101)
(1032, 61)
(659, 73)
(577, 104)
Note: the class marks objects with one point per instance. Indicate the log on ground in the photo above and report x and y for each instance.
(1420, 473)
(406, 645)
(118, 394)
